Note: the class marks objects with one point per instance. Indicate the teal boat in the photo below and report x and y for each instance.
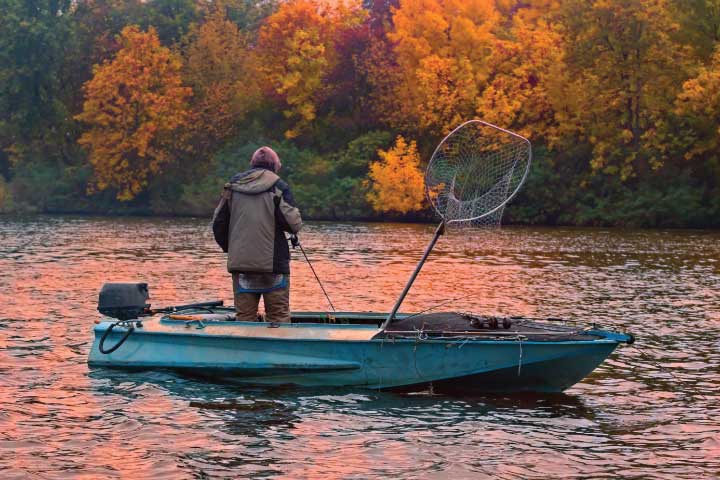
(472, 175)
(448, 352)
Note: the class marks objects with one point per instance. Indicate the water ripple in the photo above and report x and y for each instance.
(649, 412)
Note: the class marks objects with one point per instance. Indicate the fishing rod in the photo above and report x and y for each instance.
(296, 243)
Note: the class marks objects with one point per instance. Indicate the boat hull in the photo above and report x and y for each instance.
(349, 356)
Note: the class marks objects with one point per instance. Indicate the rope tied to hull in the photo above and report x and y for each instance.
(521, 355)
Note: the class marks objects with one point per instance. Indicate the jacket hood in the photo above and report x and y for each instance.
(252, 182)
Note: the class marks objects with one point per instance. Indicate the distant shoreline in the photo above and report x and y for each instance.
(400, 221)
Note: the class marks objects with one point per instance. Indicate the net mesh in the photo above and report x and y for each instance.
(474, 172)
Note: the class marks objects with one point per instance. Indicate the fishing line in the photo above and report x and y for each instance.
(655, 364)
(438, 305)
(296, 241)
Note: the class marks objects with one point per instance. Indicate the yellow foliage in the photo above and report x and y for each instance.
(699, 101)
(623, 73)
(296, 47)
(530, 11)
(519, 93)
(444, 51)
(396, 181)
(223, 73)
(133, 104)
(459, 59)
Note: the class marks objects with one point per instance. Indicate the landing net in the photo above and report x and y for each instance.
(475, 171)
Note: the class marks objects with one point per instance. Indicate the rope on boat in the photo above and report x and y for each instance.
(475, 334)
(520, 358)
(130, 330)
(421, 337)
(655, 364)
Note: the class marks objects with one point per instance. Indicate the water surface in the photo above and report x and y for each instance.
(648, 412)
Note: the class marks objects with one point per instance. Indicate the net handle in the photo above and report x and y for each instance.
(510, 197)
(441, 228)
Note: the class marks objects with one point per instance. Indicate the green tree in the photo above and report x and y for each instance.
(35, 48)
(171, 18)
(699, 25)
(220, 68)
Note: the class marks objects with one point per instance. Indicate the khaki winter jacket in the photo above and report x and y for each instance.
(255, 211)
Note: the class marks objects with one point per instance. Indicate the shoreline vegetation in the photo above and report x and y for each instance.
(135, 107)
(430, 222)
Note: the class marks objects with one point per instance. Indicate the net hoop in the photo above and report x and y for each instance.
(500, 205)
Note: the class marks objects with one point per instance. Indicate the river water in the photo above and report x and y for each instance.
(651, 411)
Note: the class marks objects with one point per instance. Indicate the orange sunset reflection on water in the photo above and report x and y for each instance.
(649, 411)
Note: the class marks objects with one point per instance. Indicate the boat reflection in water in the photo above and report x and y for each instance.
(277, 431)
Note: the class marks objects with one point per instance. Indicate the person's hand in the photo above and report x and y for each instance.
(294, 240)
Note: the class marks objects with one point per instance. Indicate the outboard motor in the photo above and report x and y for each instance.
(124, 301)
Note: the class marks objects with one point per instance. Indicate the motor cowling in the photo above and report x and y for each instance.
(124, 301)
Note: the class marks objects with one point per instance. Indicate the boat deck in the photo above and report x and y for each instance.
(432, 325)
(453, 324)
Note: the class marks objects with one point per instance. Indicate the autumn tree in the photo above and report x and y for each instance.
(699, 22)
(297, 51)
(521, 87)
(454, 60)
(443, 51)
(698, 135)
(133, 105)
(346, 99)
(623, 72)
(246, 14)
(220, 68)
(396, 182)
(529, 11)
(699, 105)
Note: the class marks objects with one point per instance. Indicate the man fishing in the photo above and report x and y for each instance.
(249, 224)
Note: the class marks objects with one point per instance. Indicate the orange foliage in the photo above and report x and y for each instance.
(396, 181)
(530, 11)
(297, 50)
(133, 104)
(444, 51)
(458, 59)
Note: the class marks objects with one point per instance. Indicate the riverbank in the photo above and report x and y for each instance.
(550, 197)
(512, 217)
